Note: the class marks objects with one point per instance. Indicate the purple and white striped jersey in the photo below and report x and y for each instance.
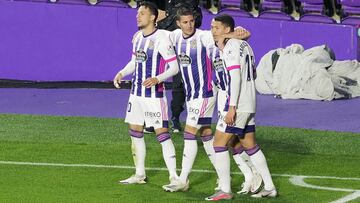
(218, 67)
(151, 53)
(194, 64)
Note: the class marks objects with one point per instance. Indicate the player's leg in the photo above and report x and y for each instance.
(253, 180)
(156, 115)
(189, 152)
(190, 148)
(258, 159)
(208, 142)
(189, 155)
(168, 150)
(199, 117)
(204, 123)
(222, 165)
(135, 118)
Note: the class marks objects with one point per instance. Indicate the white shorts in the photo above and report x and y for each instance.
(244, 122)
(200, 112)
(151, 111)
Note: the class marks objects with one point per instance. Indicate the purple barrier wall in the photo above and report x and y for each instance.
(43, 41)
(271, 34)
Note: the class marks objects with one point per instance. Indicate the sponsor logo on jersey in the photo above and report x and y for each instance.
(184, 59)
(140, 56)
(218, 64)
(152, 114)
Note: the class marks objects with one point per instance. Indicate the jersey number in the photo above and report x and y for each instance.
(250, 67)
(129, 107)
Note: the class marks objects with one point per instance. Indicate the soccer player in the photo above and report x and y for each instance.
(240, 103)
(200, 101)
(152, 52)
(253, 180)
(196, 70)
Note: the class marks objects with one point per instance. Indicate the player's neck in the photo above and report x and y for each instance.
(186, 36)
(148, 30)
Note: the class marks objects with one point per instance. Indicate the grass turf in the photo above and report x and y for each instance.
(80, 140)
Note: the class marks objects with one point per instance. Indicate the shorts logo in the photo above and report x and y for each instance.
(157, 122)
(184, 60)
(140, 56)
(221, 117)
(193, 110)
(152, 114)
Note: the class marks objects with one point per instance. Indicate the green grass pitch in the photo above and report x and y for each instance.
(105, 141)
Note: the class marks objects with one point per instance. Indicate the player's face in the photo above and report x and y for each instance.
(186, 24)
(144, 17)
(217, 28)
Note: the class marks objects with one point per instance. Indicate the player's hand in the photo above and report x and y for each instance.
(150, 82)
(230, 116)
(117, 80)
(242, 33)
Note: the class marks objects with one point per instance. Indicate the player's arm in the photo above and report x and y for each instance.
(167, 51)
(233, 62)
(128, 69)
(239, 33)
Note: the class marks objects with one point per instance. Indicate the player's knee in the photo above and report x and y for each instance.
(160, 131)
(191, 129)
(233, 142)
(205, 131)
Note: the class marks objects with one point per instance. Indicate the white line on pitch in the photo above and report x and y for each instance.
(156, 169)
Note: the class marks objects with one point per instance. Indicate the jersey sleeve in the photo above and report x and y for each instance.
(232, 59)
(207, 38)
(166, 49)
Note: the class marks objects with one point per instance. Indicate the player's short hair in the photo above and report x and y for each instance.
(226, 20)
(152, 7)
(184, 11)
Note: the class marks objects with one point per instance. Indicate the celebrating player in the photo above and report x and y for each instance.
(152, 52)
(240, 106)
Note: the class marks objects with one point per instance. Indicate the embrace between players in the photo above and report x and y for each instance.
(198, 55)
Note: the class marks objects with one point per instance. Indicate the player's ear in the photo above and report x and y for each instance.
(227, 29)
(178, 23)
(152, 17)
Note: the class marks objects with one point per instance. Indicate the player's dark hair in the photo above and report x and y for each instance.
(184, 11)
(226, 20)
(152, 7)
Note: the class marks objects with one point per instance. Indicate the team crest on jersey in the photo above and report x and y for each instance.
(184, 59)
(218, 64)
(140, 56)
(151, 45)
(193, 44)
